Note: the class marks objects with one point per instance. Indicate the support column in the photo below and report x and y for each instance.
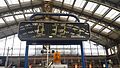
(106, 60)
(118, 48)
(26, 56)
(82, 55)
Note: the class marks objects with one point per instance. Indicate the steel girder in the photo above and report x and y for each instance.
(57, 4)
(107, 2)
(67, 8)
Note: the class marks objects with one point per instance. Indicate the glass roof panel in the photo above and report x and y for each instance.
(28, 15)
(71, 19)
(36, 9)
(1, 21)
(82, 4)
(65, 12)
(78, 3)
(112, 14)
(64, 17)
(59, 0)
(98, 27)
(111, 28)
(18, 12)
(90, 23)
(24, 0)
(19, 16)
(101, 10)
(118, 20)
(56, 10)
(106, 30)
(69, 2)
(28, 10)
(13, 2)
(90, 6)
(10, 18)
(82, 20)
(2, 3)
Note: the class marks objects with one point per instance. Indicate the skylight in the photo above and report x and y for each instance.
(2, 3)
(110, 27)
(118, 20)
(90, 23)
(82, 20)
(78, 3)
(69, 2)
(82, 4)
(36, 9)
(28, 10)
(24, 0)
(18, 12)
(71, 19)
(101, 10)
(106, 30)
(56, 10)
(64, 17)
(90, 6)
(19, 16)
(28, 15)
(98, 27)
(10, 18)
(65, 12)
(112, 14)
(13, 2)
(1, 21)
(59, 0)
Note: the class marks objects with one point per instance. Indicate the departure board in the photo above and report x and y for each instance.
(53, 31)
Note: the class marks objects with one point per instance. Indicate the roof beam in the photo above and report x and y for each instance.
(22, 9)
(8, 6)
(57, 4)
(16, 7)
(87, 14)
(100, 39)
(107, 3)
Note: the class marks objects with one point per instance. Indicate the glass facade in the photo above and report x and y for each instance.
(17, 48)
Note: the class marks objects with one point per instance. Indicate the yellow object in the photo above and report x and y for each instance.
(90, 65)
(76, 66)
(57, 57)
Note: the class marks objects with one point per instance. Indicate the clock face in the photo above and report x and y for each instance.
(53, 31)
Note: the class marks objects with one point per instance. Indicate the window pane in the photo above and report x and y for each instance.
(101, 10)
(82, 20)
(9, 44)
(90, 23)
(106, 30)
(10, 18)
(112, 14)
(19, 16)
(2, 45)
(69, 2)
(16, 47)
(1, 21)
(118, 20)
(13, 2)
(31, 50)
(36, 9)
(78, 3)
(98, 27)
(90, 6)
(24, 0)
(2, 3)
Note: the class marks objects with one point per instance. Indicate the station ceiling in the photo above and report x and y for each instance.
(102, 16)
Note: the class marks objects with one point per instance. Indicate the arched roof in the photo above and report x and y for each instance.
(103, 17)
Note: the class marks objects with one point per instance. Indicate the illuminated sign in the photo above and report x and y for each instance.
(53, 31)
